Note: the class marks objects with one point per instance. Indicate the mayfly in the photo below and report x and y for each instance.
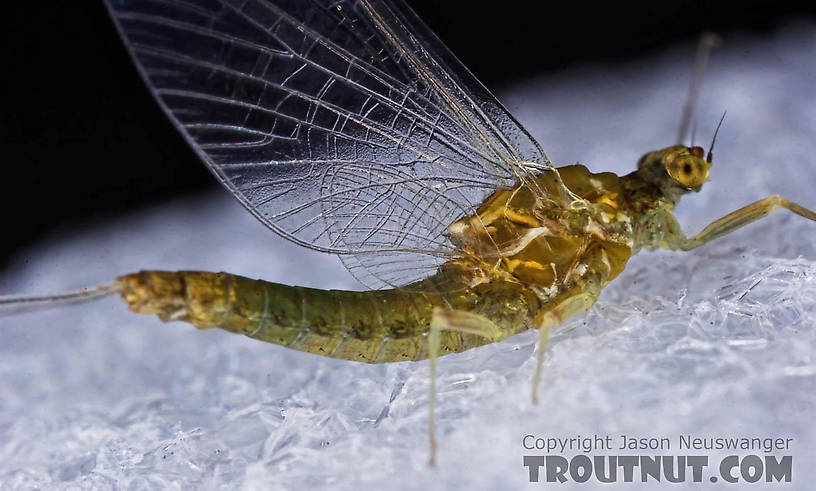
(346, 126)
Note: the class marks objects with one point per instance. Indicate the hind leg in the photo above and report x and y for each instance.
(457, 321)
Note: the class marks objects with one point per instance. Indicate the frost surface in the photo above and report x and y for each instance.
(720, 341)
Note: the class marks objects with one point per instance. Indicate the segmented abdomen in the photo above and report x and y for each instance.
(372, 326)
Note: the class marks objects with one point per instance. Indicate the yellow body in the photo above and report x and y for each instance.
(530, 257)
(523, 252)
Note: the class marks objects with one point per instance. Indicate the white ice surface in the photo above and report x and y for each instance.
(717, 342)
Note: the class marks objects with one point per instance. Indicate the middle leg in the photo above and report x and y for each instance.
(581, 296)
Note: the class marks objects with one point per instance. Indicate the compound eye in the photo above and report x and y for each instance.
(688, 170)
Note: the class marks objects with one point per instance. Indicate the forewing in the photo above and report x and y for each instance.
(345, 126)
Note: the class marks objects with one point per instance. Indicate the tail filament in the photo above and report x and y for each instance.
(13, 304)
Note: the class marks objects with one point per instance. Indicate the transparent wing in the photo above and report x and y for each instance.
(345, 126)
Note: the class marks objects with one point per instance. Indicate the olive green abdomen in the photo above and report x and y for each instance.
(373, 326)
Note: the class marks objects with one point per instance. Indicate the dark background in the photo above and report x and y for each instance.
(83, 140)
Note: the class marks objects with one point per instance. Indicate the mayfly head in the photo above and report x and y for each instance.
(676, 168)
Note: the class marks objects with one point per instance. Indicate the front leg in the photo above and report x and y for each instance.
(735, 220)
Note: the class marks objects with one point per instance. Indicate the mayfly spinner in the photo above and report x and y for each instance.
(347, 127)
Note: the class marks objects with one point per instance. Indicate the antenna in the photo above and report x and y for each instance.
(711, 148)
(707, 41)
